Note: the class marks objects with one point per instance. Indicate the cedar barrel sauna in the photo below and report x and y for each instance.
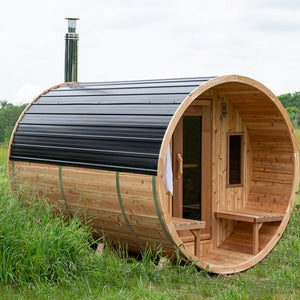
(207, 165)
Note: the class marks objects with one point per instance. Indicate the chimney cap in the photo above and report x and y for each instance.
(72, 18)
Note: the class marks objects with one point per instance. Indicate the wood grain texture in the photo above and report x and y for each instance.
(92, 194)
(250, 216)
(270, 150)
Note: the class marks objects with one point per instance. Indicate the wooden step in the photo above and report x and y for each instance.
(187, 224)
(194, 226)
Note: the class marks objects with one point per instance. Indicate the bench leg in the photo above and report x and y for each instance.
(196, 233)
(256, 227)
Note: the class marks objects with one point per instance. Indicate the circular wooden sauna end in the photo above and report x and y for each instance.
(244, 233)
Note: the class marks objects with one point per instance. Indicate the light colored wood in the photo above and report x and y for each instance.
(195, 110)
(187, 224)
(196, 233)
(206, 167)
(194, 226)
(256, 227)
(202, 102)
(178, 190)
(236, 83)
(249, 216)
(92, 194)
(179, 166)
(205, 112)
(187, 236)
(255, 217)
(237, 197)
(234, 196)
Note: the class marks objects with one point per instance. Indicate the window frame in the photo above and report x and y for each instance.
(241, 184)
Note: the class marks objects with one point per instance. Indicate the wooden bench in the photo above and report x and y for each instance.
(257, 218)
(194, 226)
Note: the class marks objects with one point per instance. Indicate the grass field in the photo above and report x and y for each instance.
(297, 131)
(44, 257)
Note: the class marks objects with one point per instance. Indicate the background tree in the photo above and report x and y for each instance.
(9, 115)
(294, 114)
(291, 102)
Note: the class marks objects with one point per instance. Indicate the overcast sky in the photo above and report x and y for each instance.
(137, 39)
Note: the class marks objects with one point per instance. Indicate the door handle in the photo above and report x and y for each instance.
(179, 166)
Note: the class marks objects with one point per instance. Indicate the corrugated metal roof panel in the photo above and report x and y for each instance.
(109, 125)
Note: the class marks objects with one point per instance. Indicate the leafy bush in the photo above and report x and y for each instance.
(9, 115)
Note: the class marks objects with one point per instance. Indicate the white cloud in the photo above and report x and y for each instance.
(132, 39)
(25, 94)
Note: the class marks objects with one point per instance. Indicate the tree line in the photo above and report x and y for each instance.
(291, 102)
(10, 113)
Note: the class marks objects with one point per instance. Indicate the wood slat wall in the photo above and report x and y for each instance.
(93, 193)
(268, 156)
(223, 197)
(269, 162)
(272, 152)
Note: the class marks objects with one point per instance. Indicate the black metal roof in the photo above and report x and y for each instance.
(108, 125)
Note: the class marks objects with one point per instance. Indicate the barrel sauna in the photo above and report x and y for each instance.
(205, 165)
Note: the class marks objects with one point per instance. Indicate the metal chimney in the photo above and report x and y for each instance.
(71, 51)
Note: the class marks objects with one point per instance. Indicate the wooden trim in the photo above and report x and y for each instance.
(194, 111)
(248, 261)
(205, 113)
(177, 149)
(206, 169)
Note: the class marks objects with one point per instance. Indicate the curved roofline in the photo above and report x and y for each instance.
(23, 113)
(117, 107)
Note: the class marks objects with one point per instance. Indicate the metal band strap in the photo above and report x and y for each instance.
(158, 212)
(123, 211)
(63, 194)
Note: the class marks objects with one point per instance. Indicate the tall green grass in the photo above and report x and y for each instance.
(297, 132)
(45, 257)
(40, 250)
(34, 245)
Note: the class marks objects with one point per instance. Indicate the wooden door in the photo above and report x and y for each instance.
(191, 155)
